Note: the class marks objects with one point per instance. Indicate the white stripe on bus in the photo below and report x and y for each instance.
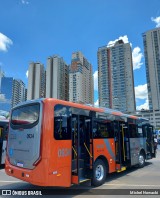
(131, 185)
(1, 181)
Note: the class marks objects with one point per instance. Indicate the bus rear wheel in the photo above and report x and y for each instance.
(141, 160)
(99, 173)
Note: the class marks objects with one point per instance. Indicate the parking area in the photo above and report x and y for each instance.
(133, 180)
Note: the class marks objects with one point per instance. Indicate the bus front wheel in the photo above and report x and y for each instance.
(99, 173)
(141, 160)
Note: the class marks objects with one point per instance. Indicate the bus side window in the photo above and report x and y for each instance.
(144, 130)
(62, 123)
(94, 129)
(133, 131)
(140, 133)
(110, 127)
(102, 129)
(58, 128)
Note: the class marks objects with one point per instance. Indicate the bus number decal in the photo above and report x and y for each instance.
(30, 135)
(64, 152)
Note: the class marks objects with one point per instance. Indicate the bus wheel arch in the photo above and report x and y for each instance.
(100, 171)
(141, 158)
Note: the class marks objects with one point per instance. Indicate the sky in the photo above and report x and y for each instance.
(33, 30)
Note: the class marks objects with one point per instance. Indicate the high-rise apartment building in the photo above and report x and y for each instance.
(6, 93)
(80, 79)
(12, 93)
(151, 41)
(26, 90)
(57, 78)
(115, 77)
(18, 94)
(36, 81)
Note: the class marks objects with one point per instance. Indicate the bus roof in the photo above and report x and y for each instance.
(85, 106)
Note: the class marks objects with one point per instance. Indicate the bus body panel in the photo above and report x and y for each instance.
(59, 154)
(37, 176)
(24, 143)
(23, 151)
(60, 163)
(136, 144)
(106, 148)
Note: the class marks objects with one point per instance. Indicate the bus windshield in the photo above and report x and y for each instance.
(25, 115)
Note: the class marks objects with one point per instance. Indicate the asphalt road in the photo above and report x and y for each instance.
(133, 180)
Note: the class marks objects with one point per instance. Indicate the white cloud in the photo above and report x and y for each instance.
(95, 76)
(141, 92)
(5, 42)
(137, 57)
(96, 103)
(124, 38)
(143, 106)
(25, 2)
(27, 73)
(136, 53)
(156, 20)
(2, 96)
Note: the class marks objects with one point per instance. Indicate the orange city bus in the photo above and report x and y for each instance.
(58, 143)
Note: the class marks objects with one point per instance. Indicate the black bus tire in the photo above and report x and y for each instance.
(99, 173)
(141, 160)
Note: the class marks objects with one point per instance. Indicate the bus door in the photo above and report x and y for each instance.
(117, 143)
(149, 140)
(126, 144)
(75, 148)
(86, 141)
(81, 128)
(121, 144)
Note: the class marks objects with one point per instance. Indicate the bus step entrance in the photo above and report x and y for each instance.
(123, 168)
(83, 175)
(83, 180)
(83, 172)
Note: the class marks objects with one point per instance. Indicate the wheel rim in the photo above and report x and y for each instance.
(141, 159)
(99, 172)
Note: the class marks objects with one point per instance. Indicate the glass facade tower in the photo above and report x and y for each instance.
(115, 77)
(151, 41)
